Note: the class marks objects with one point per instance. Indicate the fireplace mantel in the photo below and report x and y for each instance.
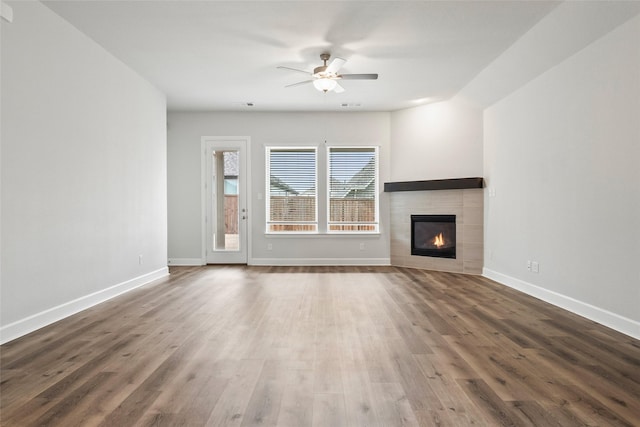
(435, 184)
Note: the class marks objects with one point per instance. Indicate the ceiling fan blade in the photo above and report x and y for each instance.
(299, 83)
(338, 89)
(358, 76)
(335, 65)
(281, 67)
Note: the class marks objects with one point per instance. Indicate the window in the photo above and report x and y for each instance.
(231, 163)
(291, 188)
(353, 189)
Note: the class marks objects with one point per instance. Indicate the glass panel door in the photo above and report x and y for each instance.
(226, 212)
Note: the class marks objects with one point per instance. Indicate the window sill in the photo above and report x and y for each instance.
(322, 235)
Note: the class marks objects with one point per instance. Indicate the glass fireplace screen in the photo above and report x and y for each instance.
(433, 235)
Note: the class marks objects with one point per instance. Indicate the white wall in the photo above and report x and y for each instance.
(184, 139)
(83, 173)
(563, 156)
(436, 141)
(568, 28)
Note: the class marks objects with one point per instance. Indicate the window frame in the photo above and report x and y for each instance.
(376, 223)
(268, 222)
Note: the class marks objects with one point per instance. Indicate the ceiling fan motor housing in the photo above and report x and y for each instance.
(318, 71)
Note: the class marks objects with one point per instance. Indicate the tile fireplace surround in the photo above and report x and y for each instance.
(460, 197)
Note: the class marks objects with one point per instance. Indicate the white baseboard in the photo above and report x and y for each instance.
(29, 324)
(612, 320)
(186, 262)
(286, 262)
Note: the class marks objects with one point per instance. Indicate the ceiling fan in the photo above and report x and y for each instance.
(325, 77)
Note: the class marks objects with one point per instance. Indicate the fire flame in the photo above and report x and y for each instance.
(438, 241)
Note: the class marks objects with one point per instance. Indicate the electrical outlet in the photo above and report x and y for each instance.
(528, 265)
(362, 246)
(140, 259)
(269, 246)
(535, 267)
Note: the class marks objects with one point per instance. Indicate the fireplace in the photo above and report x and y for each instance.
(463, 197)
(433, 235)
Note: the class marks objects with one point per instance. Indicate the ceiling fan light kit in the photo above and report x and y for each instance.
(325, 84)
(324, 77)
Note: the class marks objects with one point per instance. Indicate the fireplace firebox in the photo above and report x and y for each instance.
(433, 235)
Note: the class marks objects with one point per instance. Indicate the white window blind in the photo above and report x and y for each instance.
(292, 190)
(353, 189)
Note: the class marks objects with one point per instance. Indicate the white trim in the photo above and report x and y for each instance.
(39, 320)
(612, 320)
(320, 261)
(267, 179)
(376, 190)
(204, 141)
(183, 262)
(203, 198)
(332, 235)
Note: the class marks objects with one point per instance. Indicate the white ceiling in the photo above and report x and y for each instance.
(221, 55)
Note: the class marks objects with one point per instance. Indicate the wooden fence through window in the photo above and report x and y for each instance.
(303, 209)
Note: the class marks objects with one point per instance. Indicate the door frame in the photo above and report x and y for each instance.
(203, 189)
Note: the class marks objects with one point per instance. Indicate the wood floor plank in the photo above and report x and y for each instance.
(329, 410)
(327, 376)
(68, 411)
(460, 408)
(231, 405)
(265, 403)
(534, 414)
(378, 363)
(489, 402)
(194, 391)
(359, 405)
(314, 346)
(392, 406)
(484, 364)
(420, 395)
(296, 405)
(142, 398)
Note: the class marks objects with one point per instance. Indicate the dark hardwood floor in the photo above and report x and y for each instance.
(321, 346)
